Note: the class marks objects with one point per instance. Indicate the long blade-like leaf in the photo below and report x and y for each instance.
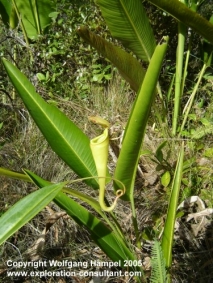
(113, 245)
(128, 22)
(128, 158)
(168, 233)
(109, 241)
(190, 18)
(129, 67)
(38, 181)
(65, 138)
(25, 209)
(14, 174)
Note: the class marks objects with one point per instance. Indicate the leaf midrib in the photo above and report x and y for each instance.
(135, 30)
(56, 129)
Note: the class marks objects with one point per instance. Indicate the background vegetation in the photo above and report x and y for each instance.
(69, 73)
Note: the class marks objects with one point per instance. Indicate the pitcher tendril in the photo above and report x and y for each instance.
(100, 148)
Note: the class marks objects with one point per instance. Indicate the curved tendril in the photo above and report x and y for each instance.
(118, 193)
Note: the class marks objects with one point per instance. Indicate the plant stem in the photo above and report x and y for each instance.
(135, 223)
(186, 65)
(168, 233)
(14, 59)
(23, 29)
(191, 99)
(178, 76)
(36, 17)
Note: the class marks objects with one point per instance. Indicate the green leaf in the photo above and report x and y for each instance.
(159, 153)
(38, 181)
(205, 122)
(113, 245)
(129, 68)
(6, 7)
(128, 158)
(161, 146)
(25, 209)
(165, 179)
(41, 77)
(54, 15)
(65, 138)
(168, 233)
(98, 77)
(13, 174)
(190, 18)
(109, 241)
(35, 15)
(209, 152)
(8, 13)
(128, 22)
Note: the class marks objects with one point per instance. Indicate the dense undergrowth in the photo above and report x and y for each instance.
(70, 74)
